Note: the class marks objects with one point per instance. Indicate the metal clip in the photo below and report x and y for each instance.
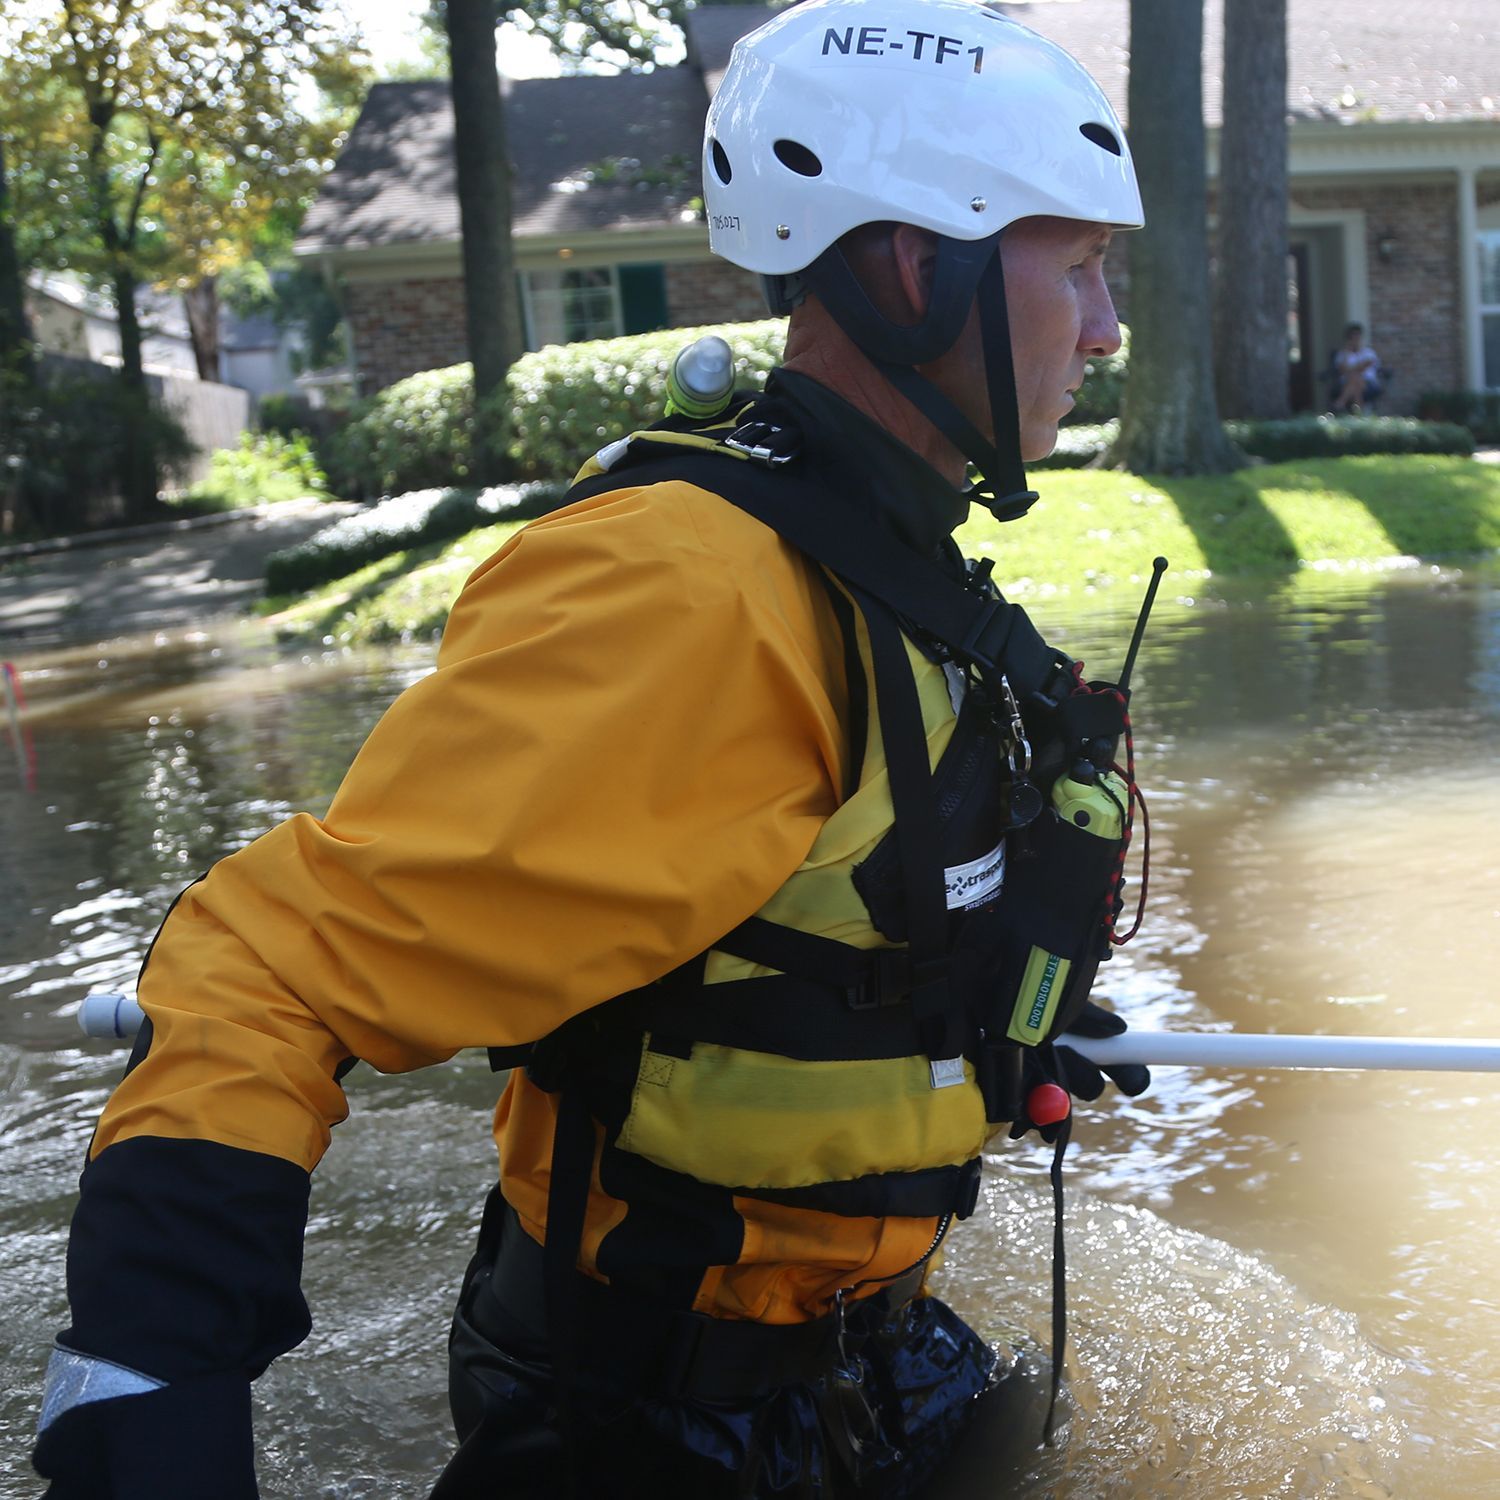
(1018, 752)
(766, 443)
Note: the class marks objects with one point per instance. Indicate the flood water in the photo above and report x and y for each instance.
(1282, 1284)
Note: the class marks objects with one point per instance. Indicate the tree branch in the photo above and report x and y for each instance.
(154, 142)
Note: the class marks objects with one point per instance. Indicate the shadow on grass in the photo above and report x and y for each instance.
(1232, 524)
(381, 576)
(1448, 507)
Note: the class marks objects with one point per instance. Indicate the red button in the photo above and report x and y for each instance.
(1047, 1104)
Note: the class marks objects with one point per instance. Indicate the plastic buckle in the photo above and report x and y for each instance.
(972, 647)
(966, 1200)
(888, 981)
(766, 443)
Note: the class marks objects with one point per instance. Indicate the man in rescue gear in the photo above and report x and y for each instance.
(723, 822)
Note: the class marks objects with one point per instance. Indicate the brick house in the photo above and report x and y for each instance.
(1394, 209)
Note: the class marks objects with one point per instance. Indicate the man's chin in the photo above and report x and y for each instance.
(1037, 441)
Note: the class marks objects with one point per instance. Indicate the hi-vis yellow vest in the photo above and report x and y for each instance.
(757, 1119)
(839, 1055)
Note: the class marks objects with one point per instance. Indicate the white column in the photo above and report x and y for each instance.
(1468, 280)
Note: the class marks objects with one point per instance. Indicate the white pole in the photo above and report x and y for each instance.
(1227, 1049)
(110, 1015)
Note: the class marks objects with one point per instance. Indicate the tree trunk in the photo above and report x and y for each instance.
(1169, 423)
(138, 473)
(484, 198)
(1250, 308)
(17, 376)
(201, 303)
(16, 350)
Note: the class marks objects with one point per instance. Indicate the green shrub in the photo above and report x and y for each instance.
(1479, 411)
(404, 521)
(264, 468)
(568, 400)
(63, 445)
(1296, 437)
(1078, 447)
(562, 403)
(1098, 399)
(416, 434)
(283, 412)
(1342, 437)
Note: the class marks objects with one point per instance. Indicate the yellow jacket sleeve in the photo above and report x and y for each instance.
(631, 739)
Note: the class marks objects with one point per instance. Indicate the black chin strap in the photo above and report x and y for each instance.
(1001, 485)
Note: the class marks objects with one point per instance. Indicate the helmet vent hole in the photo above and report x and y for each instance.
(722, 170)
(1101, 135)
(797, 158)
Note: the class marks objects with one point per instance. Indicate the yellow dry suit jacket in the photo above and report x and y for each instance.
(636, 737)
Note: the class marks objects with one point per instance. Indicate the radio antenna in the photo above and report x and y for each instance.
(1158, 567)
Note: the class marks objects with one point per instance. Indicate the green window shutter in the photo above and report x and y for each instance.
(643, 298)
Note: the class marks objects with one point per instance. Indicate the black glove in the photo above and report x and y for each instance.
(1072, 1071)
(1081, 1077)
(186, 1441)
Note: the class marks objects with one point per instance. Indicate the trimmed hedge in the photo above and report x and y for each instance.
(1297, 437)
(1345, 437)
(563, 403)
(404, 521)
(1479, 411)
(567, 400)
(415, 435)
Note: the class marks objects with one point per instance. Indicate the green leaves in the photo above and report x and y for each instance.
(563, 402)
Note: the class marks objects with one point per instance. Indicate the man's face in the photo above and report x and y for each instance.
(1061, 316)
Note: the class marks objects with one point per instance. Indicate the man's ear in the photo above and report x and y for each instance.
(895, 263)
(914, 261)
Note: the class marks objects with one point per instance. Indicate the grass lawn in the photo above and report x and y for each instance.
(1090, 529)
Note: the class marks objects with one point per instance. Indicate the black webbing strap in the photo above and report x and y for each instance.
(806, 954)
(990, 632)
(569, 1179)
(903, 733)
(751, 1015)
(858, 712)
(1059, 1277)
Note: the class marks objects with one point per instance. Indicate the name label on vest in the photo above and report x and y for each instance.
(976, 882)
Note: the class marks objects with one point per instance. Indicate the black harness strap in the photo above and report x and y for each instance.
(751, 1015)
(903, 732)
(806, 954)
(988, 631)
(854, 677)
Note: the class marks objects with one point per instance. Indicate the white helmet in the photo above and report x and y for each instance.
(938, 113)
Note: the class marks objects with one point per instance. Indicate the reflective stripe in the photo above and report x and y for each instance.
(77, 1379)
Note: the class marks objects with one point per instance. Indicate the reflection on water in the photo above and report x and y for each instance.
(1280, 1282)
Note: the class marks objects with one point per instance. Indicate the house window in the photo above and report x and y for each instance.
(571, 303)
(1489, 304)
(566, 305)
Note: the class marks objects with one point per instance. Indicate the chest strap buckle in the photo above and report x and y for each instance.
(766, 443)
(887, 980)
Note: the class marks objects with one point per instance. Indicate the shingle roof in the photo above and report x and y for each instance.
(712, 30)
(591, 153)
(621, 152)
(1348, 61)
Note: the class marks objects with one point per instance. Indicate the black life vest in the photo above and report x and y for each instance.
(752, 1066)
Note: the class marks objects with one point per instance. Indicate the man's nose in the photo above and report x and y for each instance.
(1100, 333)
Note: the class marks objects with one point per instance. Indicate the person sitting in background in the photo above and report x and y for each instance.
(1357, 367)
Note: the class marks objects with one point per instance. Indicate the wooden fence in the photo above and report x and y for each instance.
(212, 415)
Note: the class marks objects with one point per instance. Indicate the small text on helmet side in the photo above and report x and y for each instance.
(880, 41)
(724, 221)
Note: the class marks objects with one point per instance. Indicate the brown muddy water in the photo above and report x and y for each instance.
(1283, 1284)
